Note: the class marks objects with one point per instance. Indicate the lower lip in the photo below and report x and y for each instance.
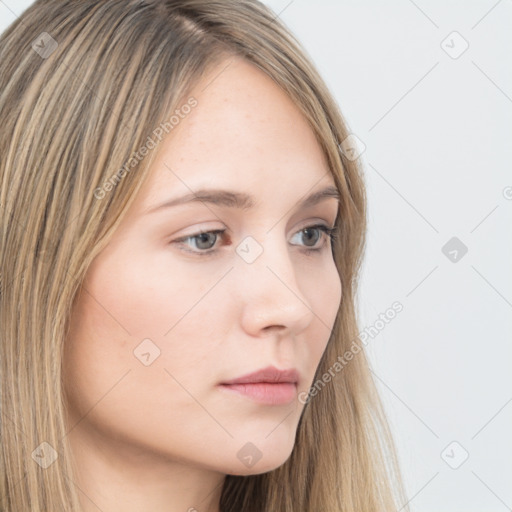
(265, 392)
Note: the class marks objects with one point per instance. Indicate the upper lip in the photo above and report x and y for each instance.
(268, 374)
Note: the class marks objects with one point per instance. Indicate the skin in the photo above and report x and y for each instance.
(162, 437)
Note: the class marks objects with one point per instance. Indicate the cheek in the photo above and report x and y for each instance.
(133, 298)
(113, 393)
(333, 294)
(130, 314)
(325, 293)
(110, 390)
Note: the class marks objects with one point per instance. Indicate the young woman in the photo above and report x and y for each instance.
(180, 242)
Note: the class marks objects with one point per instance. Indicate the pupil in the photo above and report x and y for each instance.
(204, 238)
(309, 230)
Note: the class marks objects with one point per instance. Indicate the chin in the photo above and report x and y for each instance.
(265, 464)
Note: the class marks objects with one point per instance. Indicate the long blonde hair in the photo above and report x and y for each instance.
(83, 86)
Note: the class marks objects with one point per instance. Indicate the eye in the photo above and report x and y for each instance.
(316, 233)
(206, 240)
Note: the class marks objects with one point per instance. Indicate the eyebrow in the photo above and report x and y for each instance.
(240, 200)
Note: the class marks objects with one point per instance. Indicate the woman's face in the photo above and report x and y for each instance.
(163, 319)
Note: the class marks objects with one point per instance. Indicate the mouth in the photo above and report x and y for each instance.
(268, 386)
(265, 392)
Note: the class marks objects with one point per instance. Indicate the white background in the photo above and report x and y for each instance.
(437, 136)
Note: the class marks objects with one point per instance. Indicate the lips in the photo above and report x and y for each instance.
(270, 374)
(265, 393)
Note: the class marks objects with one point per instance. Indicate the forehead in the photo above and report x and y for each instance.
(244, 134)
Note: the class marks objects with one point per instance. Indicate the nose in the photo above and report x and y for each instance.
(271, 294)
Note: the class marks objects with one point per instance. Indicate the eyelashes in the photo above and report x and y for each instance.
(326, 234)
